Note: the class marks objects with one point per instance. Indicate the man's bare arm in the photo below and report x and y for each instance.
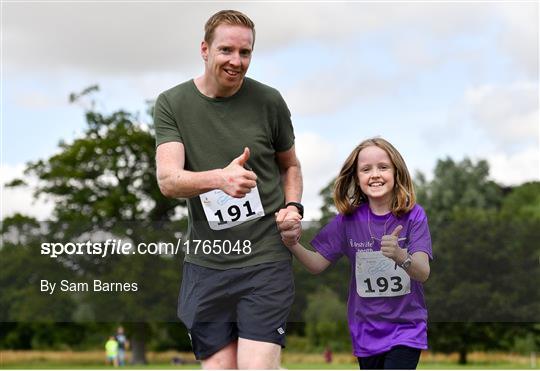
(176, 182)
(291, 175)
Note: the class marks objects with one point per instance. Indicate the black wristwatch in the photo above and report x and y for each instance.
(298, 205)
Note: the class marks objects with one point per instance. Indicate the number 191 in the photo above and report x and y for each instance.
(235, 213)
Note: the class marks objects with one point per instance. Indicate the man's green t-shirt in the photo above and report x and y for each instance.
(214, 131)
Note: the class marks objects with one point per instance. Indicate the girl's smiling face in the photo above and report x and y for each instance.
(376, 173)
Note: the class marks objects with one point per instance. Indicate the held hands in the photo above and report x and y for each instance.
(390, 247)
(289, 224)
(237, 181)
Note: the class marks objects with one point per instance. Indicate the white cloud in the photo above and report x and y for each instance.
(123, 38)
(37, 100)
(319, 166)
(151, 84)
(154, 46)
(100, 37)
(20, 199)
(507, 113)
(520, 36)
(516, 168)
(320, 93)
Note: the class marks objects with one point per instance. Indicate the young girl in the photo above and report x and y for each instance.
(386, 237)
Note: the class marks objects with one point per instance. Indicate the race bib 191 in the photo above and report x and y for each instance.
(223, 211)
(378, 276)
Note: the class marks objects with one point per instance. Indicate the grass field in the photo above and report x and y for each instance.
(293, 361)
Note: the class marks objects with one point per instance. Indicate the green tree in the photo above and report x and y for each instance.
(483, 282)
(457, 186)
(20, 268)
(326, 320)
(478, 290)
(522, 202)
(328, 208)
(104, 184)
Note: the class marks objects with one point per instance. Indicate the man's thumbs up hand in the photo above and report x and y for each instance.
(238, 181)
(242, 159)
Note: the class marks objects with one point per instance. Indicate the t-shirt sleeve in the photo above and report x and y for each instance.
(283, 130)
(166, 127)
(419, 236)
(330, 240)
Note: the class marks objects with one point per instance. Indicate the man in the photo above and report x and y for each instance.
(226, 143)
(123, 345)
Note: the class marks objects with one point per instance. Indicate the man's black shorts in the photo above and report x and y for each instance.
(219, 306)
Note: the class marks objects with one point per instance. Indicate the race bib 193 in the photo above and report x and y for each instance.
(378, 276)
(223, 211)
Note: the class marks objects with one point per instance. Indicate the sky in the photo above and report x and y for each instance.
(437, 79)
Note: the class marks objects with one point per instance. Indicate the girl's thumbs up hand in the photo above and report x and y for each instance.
(390, 247)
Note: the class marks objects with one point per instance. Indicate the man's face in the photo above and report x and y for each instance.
(227, 58)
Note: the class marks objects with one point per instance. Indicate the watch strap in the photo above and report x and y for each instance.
(407, 262)
(298, 205)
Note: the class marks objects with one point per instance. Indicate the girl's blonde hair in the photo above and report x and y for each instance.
(347, 193)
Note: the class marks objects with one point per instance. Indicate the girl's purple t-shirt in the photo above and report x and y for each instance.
(379, 323)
